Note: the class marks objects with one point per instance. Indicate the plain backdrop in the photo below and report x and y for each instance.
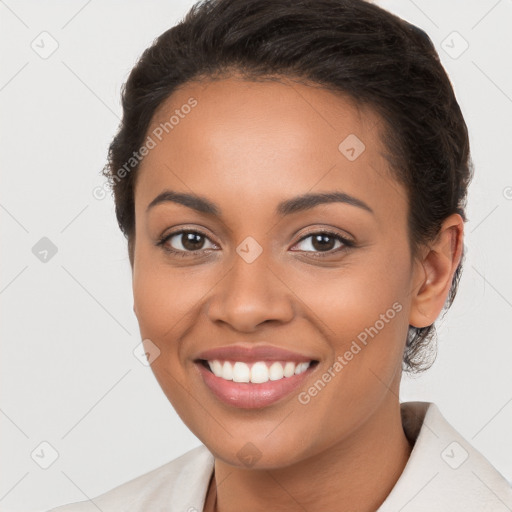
(69, 377)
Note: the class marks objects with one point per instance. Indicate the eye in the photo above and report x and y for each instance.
(185, 242)
(324, 242)
(191, 242)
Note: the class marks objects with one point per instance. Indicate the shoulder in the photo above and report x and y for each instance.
(178, 485)
(444, 471)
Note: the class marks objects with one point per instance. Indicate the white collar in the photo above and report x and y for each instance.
(443, 473)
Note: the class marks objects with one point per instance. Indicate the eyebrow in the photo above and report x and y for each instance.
(293, 205)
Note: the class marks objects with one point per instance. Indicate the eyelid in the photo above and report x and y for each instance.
(186, 228)
(347, 243)
(311, 231)
(163, 239)
(328, 231)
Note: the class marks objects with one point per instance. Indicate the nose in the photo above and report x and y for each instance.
(249, 295)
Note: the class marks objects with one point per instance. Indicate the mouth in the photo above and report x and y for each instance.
(257, 372)
(253, 384)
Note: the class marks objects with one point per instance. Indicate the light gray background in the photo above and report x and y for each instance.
(68, 373)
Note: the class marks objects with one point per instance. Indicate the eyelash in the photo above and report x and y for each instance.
(316, 254)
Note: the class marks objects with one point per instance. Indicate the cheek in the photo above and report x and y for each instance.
(163, 296)
(364, 318)
(363, 312)
(164, 300)
(356, 295)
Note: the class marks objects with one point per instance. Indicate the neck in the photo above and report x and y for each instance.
(357, 474)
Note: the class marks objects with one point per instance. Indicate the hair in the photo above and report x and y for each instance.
(353, 47)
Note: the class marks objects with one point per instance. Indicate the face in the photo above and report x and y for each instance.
(231, 255)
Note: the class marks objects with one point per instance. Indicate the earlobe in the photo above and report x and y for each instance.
(434, 272)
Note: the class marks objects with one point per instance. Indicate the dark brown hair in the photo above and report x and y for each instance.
(350, 46)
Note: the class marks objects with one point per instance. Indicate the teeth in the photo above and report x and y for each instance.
(216, 367)
(258, 373)
(241, 372)
(289, 369)
(227, 371)
(275, 372)
(301, 367)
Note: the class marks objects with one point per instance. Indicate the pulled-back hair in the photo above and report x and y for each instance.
(350, 46)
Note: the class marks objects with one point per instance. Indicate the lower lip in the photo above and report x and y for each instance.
(247, 395)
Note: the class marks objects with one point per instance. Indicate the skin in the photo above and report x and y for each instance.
(247, 146)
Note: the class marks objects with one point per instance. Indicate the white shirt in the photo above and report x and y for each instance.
(443, 473)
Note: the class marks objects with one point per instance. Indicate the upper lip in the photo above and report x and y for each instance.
(253, 354)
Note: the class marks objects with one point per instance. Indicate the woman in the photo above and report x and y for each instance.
(291, 178)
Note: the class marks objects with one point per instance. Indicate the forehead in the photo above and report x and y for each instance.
(248, 141)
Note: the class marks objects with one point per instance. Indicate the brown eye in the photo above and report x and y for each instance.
(186, 241)
(323, 242)
(192, 241)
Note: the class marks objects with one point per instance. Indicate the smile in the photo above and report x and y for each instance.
(253, 385)
(258, 372)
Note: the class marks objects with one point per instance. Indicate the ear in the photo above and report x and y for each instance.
(434, 272)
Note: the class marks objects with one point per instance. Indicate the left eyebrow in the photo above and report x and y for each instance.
(293, 205)
(307, 201)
